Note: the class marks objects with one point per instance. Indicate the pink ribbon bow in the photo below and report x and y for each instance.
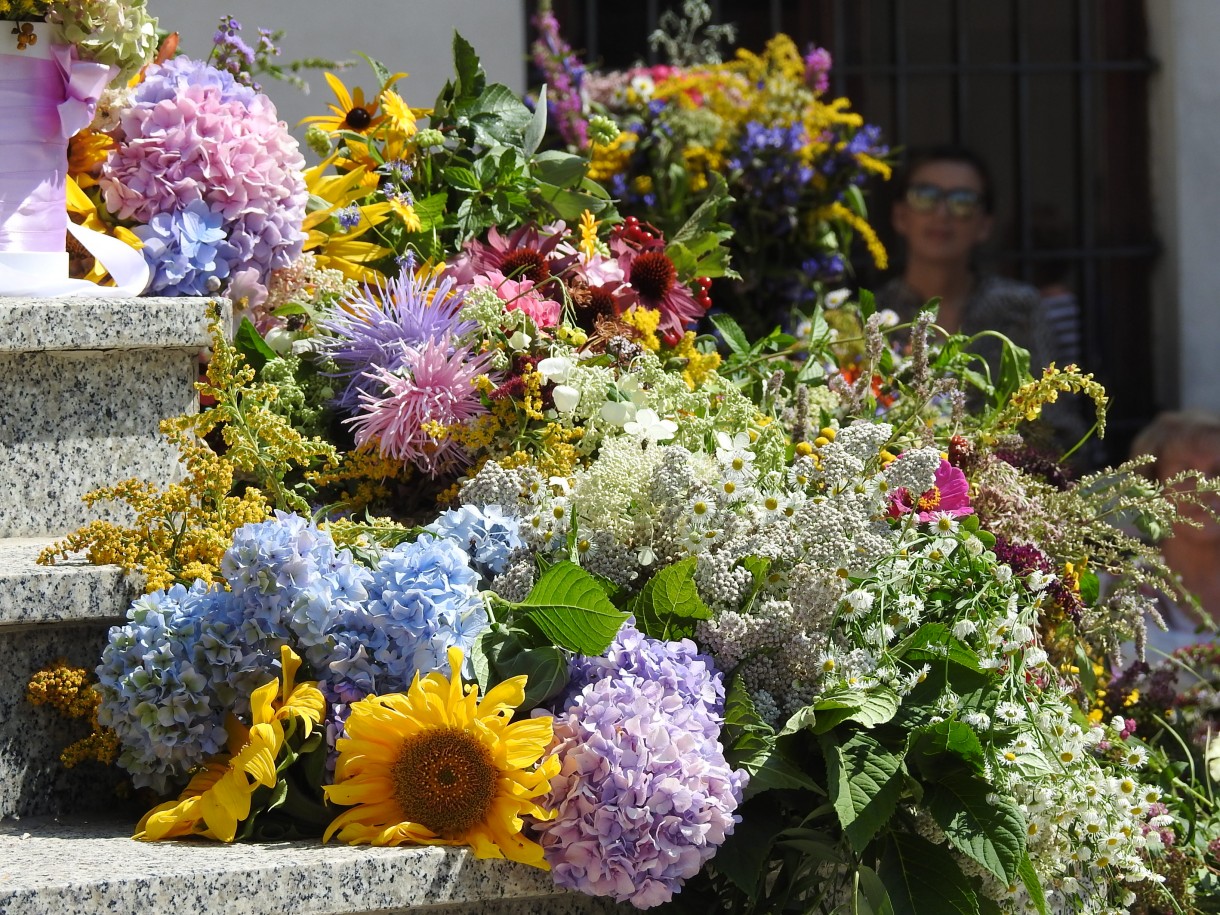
(84, 83)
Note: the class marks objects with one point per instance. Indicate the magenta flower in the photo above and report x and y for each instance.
(654, 278)
(431, 390)
(521, 295)
(950, 495)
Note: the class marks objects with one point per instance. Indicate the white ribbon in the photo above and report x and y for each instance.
(124, 263)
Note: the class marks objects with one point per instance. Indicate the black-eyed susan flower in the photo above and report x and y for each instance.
(434, 766)
(350, 111)
(218, 797)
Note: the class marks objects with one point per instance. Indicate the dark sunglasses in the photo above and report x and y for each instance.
(960, 201)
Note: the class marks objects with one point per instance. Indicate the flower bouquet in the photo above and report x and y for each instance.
(758, 128)
(481, 544)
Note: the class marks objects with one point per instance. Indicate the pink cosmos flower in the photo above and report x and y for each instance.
(520, 295)
(950, 495)
(433, 386)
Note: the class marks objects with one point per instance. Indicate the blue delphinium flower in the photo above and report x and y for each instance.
(426, 598)
(375, 329)
(487, 535)
(169, 676)
(187, 250)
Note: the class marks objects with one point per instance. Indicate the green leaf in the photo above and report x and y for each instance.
(498, 116)
(743, 856)
(1090, 587)
(865, 781)
(431, 209)
(561, 169)
(481, 653)
(463, 179)
(869, 707)
(992, 832)
(1014, 370)
(750, 743)
(734, 337)
(252, 346)
(470, 77)
(800, 720)
(537, 125)
(868, 304)
(953, 737)
(545, 669)
(571, 610)
(669, 605)
(1033, 886)
(923, 879)
(874, 892)
(568, 204)
(380, 71)
(936, 642)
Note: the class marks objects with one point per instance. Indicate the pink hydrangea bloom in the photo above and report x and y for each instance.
(950, 494)
(433, 385)
(519, 295)
(230, 151)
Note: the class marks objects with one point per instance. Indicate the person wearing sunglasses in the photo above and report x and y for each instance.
(943, 214)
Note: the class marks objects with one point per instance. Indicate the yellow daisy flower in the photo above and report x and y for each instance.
(434, 766)
(351, 112)
(217, 799)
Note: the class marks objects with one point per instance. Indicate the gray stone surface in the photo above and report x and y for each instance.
(72, 590)
(36, 325)
(73, 421)
(81, 867)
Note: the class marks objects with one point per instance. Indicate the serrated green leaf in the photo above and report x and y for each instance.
(566, 203)
(669, 605)
(936, 642)
(800, 720)
(537, 125)
(954, 737)
(463, 179)
(869, 707)
(923, 879)
(558, 168)
(1090, 588)
(470, 78)
(545, 670)
(991, 832)
(865, 781)
(498, 116)
(571, 610)
(734, 337)
(743, 856)
(750, 743)
(250, 343)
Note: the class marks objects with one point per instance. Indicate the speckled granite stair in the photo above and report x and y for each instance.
(84, 867)
(86, 383)
(46, 613)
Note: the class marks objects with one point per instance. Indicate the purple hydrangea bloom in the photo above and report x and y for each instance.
(178, 74)
(643, 799)
(426, 599)
(487, 535)
(377, 329)
(169, 676)
(677, 666)
(186, 249)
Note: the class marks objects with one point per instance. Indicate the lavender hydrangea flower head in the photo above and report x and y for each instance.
(487, 535)
(643, 800)
(426, 600)
(376, 328)
(168, 677)
(193, 134)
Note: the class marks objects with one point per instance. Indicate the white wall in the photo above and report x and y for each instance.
(411, 36)
(1185, 120)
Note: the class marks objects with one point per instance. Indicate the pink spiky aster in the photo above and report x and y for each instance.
(949, 495)
(433, 385)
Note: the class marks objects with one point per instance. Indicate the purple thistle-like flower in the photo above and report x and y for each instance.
(376, 329)
(432, 387)
(645, 796)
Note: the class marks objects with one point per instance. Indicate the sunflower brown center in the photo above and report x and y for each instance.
(445, 779)
(358, 119)
(526, 264)
(653, 275)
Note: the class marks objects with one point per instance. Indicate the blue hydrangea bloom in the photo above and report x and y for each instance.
(185, 249)
(426, 598)
(486, 534)
(169, 676)
(292, 583)
(178, 74)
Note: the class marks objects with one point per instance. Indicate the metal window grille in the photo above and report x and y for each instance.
(1053, 93)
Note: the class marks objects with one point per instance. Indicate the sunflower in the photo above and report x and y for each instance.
(352, 113)
(434, 766)
(218, 796)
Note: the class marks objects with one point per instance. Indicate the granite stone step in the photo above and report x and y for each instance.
(47, 613)
(86, 382)
(85, 866)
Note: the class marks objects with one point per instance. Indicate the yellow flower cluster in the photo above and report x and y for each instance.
(69, 691)
(646, 321)
(1027, 401)
(699, 365)
(607, 161)
(366, 471)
